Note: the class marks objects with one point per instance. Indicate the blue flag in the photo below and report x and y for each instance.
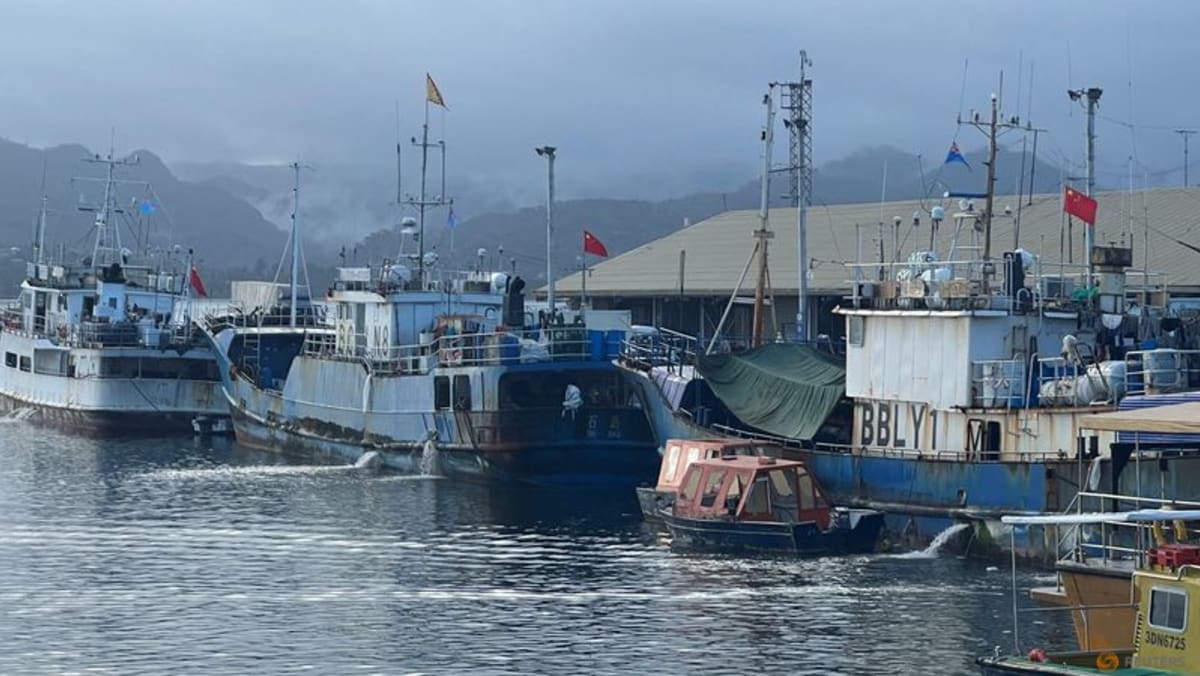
(451, 219)
(955, 156)
(147, 207)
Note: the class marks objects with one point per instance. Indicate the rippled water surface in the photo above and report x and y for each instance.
(176, 556)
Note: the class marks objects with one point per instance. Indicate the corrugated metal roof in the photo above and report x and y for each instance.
(718, 248)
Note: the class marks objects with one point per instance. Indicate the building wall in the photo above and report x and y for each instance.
(683, 314)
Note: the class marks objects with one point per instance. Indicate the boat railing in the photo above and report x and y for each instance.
(1064, 381)
(661, 347)
(924, 283)
(942, 455)
(566, 343)
(998, 383)
(1111, 541)
(1161, 371)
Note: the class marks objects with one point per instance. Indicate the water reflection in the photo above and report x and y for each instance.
(183, 556)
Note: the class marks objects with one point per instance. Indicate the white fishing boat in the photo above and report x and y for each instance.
(102, 343)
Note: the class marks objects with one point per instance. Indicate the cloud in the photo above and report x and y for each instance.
(640, 97)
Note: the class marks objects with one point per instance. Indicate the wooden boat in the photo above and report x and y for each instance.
(753, 504)
(1164, 637)
(1095, 575)
(679, 454)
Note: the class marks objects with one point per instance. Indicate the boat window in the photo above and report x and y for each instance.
(757, 503)
(734, 494)
(462, 393)
(1168, 608)
(693, 455)
(807, 500)
(781, 483)
(672, 463)
(25, 363)
(712, 487)
(691, 481)
(441, 392)
(857, 329)
(10, 359)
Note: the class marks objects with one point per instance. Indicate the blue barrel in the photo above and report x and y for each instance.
(595, 345)
(510, 349)
(612, 343)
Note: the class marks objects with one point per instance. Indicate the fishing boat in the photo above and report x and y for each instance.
(962, 380)
(1095, 569)
(1163, 636)
(102, 343)
(438, 371)
(678, 456)
(761, 504)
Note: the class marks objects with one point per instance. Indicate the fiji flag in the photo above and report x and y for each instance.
(955, 156)
(451, 219)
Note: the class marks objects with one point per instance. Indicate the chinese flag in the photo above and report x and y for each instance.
(198, 284)
(593, 246)
(1080, 206)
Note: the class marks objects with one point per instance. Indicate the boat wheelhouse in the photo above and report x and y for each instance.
(747, 504)
(678, 456)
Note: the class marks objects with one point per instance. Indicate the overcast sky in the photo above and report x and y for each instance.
(640, 96)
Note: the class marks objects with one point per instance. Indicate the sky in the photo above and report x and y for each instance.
(643, 99)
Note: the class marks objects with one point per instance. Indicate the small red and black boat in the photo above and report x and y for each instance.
(762, 504)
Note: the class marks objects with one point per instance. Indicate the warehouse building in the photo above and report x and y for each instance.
(684, 281)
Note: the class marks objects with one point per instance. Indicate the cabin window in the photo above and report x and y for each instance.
(780, 485)
(1168, 609)
(462, 393)
(783, 496)
(734, 495)
(688, 491)
(856, 327)
(671, 463)
(712, 487)
(693, 454)
(10, 359)
(757, 502)
(441, 392)
(25, 363)
(807, 500)
(119, 367)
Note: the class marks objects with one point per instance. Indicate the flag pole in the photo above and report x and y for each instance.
(583, 298)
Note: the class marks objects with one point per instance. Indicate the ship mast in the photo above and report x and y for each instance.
(763, 234)
(992, 128)
(293, 283)
(423, 201)
(107, 247)
(39, 228)
(798, 104)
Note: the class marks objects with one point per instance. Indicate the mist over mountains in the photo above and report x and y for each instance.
(235, 216)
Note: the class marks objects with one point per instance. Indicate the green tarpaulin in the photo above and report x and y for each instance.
(784, 389)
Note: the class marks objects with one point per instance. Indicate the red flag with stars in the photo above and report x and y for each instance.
(1080, 206)
(593, 246)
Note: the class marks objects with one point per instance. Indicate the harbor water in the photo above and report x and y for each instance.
(182, 556)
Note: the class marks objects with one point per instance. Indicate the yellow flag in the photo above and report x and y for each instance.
(432, 94)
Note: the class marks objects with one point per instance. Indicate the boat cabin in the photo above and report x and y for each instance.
(681, 453)
(744, 488)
